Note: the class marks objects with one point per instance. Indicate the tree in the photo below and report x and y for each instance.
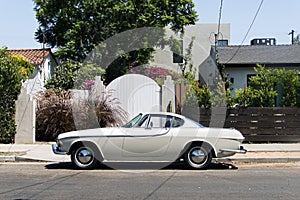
(68, 75)
(64, 76)
(13, 70)
(262, 90)
(288, 85)
(75, 27)
(297, 39)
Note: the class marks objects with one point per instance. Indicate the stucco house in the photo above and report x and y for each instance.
(204, 35)
(43, 60)
(240, 60)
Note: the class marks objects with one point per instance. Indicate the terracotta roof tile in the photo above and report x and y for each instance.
(35, 56)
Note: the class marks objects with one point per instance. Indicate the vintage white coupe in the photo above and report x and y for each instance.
(150, 137)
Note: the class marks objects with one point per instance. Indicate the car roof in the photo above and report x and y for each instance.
(164, 113)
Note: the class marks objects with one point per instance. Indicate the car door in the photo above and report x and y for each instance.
(149, 140)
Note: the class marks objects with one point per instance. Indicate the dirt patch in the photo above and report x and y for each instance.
(12, 153)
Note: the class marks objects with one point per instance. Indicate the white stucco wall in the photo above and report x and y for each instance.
(239, 76)
(204, 39)
(45, 71)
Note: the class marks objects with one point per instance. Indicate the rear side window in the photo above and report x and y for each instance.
(177, 122)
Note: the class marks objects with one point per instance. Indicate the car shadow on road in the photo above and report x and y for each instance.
(144, 166)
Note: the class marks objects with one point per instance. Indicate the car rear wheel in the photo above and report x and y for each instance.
(83, 157)
(198, 156)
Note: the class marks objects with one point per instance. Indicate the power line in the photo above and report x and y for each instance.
(220, 16)
(219, 26)
(259, 8)
(253, 21)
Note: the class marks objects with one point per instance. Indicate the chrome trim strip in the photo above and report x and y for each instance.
(101, 136)
(57, 151)
(241, 150)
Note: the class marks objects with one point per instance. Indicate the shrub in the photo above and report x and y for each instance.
(57, 112)
(54, 114)
(268, 85)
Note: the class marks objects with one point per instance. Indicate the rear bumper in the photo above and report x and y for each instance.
(240, 150)
(56, 150)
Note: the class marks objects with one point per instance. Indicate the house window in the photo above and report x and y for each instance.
(222, 43)
(177, 58)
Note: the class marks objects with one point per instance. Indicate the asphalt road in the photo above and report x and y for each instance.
(60, 181)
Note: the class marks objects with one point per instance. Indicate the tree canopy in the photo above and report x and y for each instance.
(75, 27)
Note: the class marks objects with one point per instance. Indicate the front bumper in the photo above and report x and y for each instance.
(240, 150)
(56, 150)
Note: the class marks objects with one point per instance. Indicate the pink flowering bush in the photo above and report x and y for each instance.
(88, 85)
(156, 73)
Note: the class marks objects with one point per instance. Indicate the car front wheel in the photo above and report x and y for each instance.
(198, 156)
(83, 157)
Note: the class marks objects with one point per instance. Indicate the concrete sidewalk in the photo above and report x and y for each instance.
(33, 152)
(275, 153)
(42, 152)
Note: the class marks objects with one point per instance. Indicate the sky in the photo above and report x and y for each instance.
(275, 19)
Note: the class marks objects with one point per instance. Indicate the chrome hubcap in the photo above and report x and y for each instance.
(84, 156)
(197, 156)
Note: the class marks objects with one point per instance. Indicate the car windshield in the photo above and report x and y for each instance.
(132, 122)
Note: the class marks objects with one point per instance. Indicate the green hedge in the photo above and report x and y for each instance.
(13, 70)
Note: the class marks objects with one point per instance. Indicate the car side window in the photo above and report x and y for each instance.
(159, 121)
(177, 122)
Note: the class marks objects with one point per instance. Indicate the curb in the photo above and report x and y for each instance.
(259, 160)
(219, 160)
(23, 159)
(7, 158)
